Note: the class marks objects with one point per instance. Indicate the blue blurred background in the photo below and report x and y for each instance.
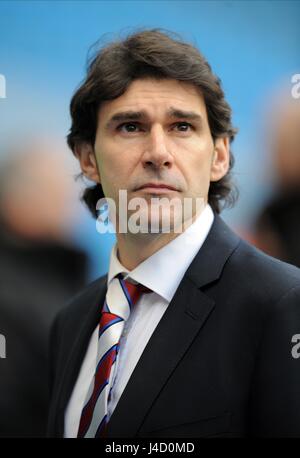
(252, 46)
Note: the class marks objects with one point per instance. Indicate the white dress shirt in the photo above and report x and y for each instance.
(162, 273)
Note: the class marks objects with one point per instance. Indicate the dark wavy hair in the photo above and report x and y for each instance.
(157, 54)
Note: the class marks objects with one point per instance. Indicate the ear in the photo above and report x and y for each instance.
(86, 156)
(220, 160)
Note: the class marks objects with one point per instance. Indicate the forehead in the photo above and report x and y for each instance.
(156, 97)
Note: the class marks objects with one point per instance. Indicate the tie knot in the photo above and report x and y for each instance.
(134, 290)
(122, 295)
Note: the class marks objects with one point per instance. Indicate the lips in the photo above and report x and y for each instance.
(157, 186)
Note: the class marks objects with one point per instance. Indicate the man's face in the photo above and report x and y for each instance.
(157, 133)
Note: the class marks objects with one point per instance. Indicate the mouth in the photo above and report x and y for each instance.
(155, 188)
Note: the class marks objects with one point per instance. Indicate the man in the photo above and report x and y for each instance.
(191, 333)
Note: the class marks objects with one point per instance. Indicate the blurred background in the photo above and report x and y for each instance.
(45, 232)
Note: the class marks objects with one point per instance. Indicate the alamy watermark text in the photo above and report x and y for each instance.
(2, 87)
(2, 347)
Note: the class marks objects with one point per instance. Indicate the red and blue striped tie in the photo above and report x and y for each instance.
(120, 298)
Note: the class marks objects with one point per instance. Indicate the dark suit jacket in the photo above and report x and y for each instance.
(219, 362)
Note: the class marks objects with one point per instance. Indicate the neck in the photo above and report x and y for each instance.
(133, 249)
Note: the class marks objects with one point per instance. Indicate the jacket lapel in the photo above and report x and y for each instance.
(182, 321)
(169, 342)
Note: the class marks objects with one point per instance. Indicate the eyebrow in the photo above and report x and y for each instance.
(191, 115)
(131, 115)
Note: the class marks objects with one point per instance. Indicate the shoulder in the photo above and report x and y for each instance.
(262, 268)
(248, 278)
(263, 281)
(243, 270)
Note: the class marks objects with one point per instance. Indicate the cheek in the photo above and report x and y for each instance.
(114, 174)
(117, 161)
(197, 161)
(196, 171)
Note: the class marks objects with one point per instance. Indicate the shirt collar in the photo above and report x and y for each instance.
(163, 271)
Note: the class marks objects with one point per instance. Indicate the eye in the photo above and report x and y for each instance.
(183, 126)
(128, 127)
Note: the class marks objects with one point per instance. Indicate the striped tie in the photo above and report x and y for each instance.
(120, 298)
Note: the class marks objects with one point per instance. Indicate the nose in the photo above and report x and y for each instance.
(157, 153)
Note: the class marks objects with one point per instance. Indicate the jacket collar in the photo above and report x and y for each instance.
(207, 266)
